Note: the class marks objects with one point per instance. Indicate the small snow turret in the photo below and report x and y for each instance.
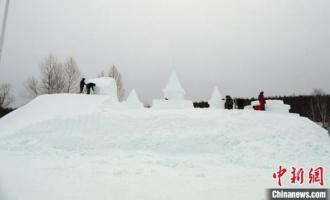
(173, 96)
(133, 100)
(216, 100)
(173, 89)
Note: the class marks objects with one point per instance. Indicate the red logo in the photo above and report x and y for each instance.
(315, 176)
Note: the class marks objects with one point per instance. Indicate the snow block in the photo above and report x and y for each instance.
(105, 86)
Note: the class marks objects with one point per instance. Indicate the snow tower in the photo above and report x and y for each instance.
(173, 89)
(133, 100)
(173, 96)
(216, 100)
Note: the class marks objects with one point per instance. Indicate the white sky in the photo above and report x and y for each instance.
(279, 46)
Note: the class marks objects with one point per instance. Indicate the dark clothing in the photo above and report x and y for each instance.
(90, 86)
(229, 103)
(240, 103)
(82, 85)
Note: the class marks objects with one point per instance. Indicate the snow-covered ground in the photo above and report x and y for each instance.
(81, 147)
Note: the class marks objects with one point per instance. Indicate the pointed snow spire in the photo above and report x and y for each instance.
(216, 100)
(133, 100)
(173, 89)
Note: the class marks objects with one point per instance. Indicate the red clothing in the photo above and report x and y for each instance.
(262, 102)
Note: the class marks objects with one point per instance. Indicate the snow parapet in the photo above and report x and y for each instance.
(272, 106)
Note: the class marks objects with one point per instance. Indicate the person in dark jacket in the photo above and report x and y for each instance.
(229, 103)
(82, 85)
(90, 86)
(262, 102)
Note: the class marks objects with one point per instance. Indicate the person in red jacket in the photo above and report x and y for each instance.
(262, 102)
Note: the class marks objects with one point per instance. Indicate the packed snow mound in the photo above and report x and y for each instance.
(235, 135)
(133, 100)
(216, 100)
(55, 106)
(272, 106)
(173, 89)
(105, 86)
(81, 147)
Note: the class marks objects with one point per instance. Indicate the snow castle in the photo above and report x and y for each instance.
(216, 100)
(173, 96)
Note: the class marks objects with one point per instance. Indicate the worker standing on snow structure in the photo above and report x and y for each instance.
(262, 102)
(82, 85)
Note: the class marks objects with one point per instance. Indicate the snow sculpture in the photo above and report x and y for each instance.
(173, 89)
(173, 96)
(216, 100)
(133, 100)
(104, 86)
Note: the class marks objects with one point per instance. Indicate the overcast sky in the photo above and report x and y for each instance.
(242, 46)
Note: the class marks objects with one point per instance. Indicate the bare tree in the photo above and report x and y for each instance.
(319, 105)
(72, 75)
(32, 87)
(52, 76)
(55, 77)
(312, 111)
(115, 74)
(102, 74)
(5, 95)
